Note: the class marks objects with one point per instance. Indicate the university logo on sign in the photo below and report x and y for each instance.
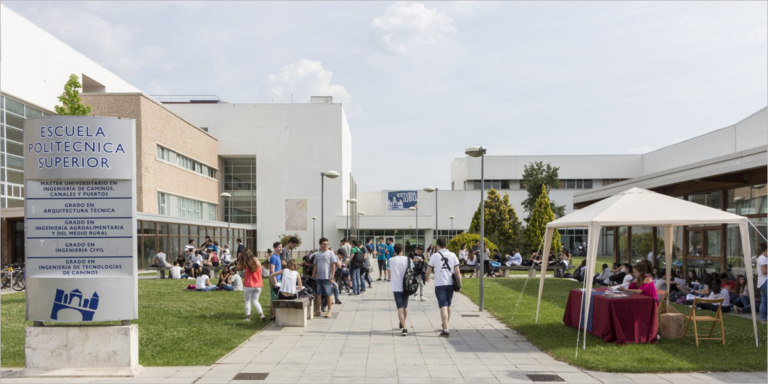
(402, 200)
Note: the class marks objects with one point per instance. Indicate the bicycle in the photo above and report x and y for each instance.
(19, 281)
(6, 276)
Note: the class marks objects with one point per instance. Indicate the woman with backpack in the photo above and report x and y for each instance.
(252, 283)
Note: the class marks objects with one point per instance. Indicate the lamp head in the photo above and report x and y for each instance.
(451, 217)
(225, 195)
(352, 201)
(331, 174)
(430, 189)
(475, 151)
(412, 208)
(361, 213)
(314, 217)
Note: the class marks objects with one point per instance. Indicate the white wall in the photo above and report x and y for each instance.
(749, 133)
(35, 64)
(293, 144)
(571, 167)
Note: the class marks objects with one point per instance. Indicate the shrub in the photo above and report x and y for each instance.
(469, 239)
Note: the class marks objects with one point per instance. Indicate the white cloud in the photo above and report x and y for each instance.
(113, 46)
(406, 26)
(303, 79)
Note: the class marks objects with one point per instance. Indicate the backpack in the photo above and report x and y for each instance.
(358, 260)
(410, 281)
(577, 273)
(558, 272)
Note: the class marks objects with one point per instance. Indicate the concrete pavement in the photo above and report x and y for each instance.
(361, 343)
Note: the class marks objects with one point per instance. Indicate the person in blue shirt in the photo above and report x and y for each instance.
(390, 254)
(381, 256)
(275, 265)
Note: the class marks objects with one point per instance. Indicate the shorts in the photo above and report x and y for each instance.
(386, 268)
(444, 295)
(273, 292)
(401, 300)
(324, 288)
(294, 296)
(382, 263)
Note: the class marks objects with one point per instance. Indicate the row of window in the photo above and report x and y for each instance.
(177, 206)
(510, 184)
(170, 156)
(12, 116)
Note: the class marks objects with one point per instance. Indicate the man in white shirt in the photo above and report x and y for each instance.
(445, 264)
(398, 264)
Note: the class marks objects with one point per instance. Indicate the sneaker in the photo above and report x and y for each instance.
(317, 313)
(328, 314)
(736, 309)
(337, 302)
(263, 319)
(379, 279)
(246, 319)
(370, 286)
(444, 334)
(404, 332)
(423, 298)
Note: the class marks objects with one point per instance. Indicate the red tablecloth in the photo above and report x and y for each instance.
(633, 319)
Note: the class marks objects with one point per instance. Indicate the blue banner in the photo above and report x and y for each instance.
(401, 200)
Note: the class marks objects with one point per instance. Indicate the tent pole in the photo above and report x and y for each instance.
(547, 245)
(668, 249)
(594, 239)
(744, 229)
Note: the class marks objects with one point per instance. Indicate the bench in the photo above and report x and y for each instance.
(505, 270)
(161, 271)
(293, 313)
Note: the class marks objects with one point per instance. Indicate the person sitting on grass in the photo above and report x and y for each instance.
(237, 281)
(660, 280)
(579, 273)
(203, 283)
(197, 263)
(604, 278)
(181, 260)
(727, 283)
(177, 272)
(643, 283)
(225, 280)
(619, 272)
(717, 292)
(630, 277)
(289, 281)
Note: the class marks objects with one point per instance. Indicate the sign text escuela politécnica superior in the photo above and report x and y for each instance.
(63, 152)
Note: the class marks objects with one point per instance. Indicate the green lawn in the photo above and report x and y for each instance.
(176, 328)
(559, 340)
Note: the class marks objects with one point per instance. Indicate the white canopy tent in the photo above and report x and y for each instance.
(641, 207)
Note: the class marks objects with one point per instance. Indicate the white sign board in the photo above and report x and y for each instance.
(80, 219)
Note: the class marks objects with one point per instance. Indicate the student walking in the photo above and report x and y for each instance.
(419, 266)
(325, 262)
(252, 283)
(390, 253)
(445, 264)
(398, 265)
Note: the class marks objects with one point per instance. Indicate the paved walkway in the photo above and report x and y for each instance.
(361, 343)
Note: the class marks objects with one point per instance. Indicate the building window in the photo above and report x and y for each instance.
(190, 209)
(240, 182)
(211, 211)
(576, 184)
(495, 184)
(162, 204)
(12, 116)
(611, 181)
(185, 162)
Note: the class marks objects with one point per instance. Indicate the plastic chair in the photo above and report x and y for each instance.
(718, 318)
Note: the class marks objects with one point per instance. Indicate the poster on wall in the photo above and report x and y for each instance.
(401, 200)
(295, 214)
(80, 219)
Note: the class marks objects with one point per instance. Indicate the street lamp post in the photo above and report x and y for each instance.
(227, 198)
(323, 175)
(452, 233)
(314, 220)
(479, 151)
(416, 209)
(430, 190)
(350, 201)
(357, 226)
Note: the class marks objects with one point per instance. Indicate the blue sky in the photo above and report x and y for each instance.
(422, 81)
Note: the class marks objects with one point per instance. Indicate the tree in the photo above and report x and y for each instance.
(284, 238)
(70, 99)
(537, 224)
(501, 223)
(469, 239)
(536, 175)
